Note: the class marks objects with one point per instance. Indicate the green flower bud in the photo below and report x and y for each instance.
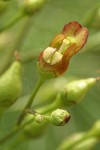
(76, 90)
(87, 144)
(95, 130)
(10, 85)
(38, 126)
(72, 143)
(30, 6)
(38, 118)
(59, 117)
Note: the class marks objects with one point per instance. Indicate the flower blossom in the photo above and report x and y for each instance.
(55, 58)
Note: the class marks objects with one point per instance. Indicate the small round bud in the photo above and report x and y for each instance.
(38, 118)
(59, 117)
(30, 6)
(35, 129)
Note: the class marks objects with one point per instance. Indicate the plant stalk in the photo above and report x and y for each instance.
(12, 22)
(30, 101)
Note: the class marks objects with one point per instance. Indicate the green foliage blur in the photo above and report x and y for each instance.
(42, 26)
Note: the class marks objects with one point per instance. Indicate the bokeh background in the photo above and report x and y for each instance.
(40, 30)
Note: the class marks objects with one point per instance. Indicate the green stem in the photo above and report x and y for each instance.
(30, 101)
(6, 59)
(23, 33)
(45, 110)
(12, 22)
(91, 15)
(28, 56)
(16, 143)
(53, 106)
(14, 131)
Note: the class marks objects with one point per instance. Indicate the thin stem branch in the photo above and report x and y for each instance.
(53, 106)
(12, 22)
(90, 15)
(23, 32)
(46, 109)
(15, 130)
(17, 45)
(28, 56)
(30, 101)
(16, 143)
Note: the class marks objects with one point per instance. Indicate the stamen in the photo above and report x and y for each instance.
(64, 46)
(51, 56)
(56, 58)
(48, 53)
(71, 39)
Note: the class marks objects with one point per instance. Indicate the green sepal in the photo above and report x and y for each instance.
(46, 74)
(10, 85)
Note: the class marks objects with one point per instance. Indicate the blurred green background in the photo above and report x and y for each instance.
(41, 28)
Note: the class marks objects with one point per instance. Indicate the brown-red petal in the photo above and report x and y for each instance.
(57, 41)
(81, 37)
(70, 52)
(58, 68)
(71, 28)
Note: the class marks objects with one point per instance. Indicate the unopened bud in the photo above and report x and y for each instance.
(10, 85)
(76, 90)
(76, 142)
(36, 128)
(30, 6)
(38, 118)
(59, 117)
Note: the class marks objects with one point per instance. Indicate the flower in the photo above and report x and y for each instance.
(55, 58)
